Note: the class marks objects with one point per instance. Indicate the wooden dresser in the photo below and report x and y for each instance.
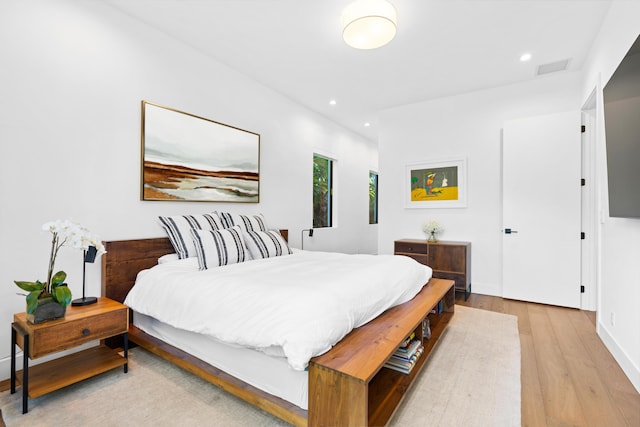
(449, 260)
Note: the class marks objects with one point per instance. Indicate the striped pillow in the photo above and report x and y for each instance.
(178, 229)
(266, 244)
(246, 222)
(219, 247)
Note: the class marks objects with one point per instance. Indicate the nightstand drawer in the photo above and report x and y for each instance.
(57, 337)
(407, 247)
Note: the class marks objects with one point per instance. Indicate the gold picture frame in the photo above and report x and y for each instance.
(190, 158)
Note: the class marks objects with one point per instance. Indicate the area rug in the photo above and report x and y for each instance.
(471, 379)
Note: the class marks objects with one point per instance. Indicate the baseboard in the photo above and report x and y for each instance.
(631, 371)
(486, 289)
(5, 369)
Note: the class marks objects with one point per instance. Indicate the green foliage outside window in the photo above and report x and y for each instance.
(373, 198)
(322, 189)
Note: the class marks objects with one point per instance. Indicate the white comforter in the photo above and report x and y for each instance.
(297, 306)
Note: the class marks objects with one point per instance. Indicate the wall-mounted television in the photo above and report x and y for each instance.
(622, 129)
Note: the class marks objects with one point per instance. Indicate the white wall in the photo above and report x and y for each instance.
(619, 248)
(73, 75)
(467, 125)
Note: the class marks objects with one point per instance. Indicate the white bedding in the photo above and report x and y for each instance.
(297, 306)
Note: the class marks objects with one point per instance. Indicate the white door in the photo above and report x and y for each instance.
(541, 209)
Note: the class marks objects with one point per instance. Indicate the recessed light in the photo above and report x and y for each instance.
(332, 102)
(367, 124)
(525, 57)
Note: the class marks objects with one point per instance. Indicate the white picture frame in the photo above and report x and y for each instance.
(438, 183)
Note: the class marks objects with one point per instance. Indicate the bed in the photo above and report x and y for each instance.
(346, 385)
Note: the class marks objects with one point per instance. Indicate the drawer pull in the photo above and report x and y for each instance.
(86, 332)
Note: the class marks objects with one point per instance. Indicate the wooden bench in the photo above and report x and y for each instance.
(363, 392)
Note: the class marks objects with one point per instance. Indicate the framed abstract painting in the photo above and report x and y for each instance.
(190, 158)
(436, 184)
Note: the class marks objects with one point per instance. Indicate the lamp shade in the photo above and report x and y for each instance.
(369, 24)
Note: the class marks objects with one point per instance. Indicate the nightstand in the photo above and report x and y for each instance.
(80, 325)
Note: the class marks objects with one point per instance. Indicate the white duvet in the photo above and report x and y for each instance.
(297, 306)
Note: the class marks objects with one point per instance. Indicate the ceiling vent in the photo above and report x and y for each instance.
(552, 67)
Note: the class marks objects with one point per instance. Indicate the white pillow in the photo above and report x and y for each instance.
(168, 258)
(266, 244)
(178, 229)
(246, 222)
(219, 247)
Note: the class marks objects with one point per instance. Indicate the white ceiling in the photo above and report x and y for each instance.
(442, 47)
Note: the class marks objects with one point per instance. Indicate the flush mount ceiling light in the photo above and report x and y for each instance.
(525, 57)
(368, 24)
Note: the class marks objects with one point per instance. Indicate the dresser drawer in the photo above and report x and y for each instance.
(407, 247)
(68, 334)
(421, 258)
(459, 278)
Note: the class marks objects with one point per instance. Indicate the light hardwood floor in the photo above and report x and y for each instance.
(568, 376)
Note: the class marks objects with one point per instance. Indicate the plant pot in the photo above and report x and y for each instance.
(47, 309)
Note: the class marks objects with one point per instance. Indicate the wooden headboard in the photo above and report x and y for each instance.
(125, 258)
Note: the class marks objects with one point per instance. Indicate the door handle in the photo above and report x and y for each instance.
(509, 231)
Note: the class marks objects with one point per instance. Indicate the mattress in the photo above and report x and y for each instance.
(268, 373)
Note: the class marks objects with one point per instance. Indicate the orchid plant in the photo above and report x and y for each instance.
(64, 233)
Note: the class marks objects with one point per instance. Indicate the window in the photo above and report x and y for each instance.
(373, 198)
(322, 191)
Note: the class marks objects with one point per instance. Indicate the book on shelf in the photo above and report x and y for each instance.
(399, 369)
(405, 366)
(409, 350)
(405, 358)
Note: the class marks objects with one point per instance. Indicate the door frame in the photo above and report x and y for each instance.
(589, 213)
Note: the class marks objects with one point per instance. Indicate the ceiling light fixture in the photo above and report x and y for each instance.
(525, 57)
(369, 24)
(332, 102)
